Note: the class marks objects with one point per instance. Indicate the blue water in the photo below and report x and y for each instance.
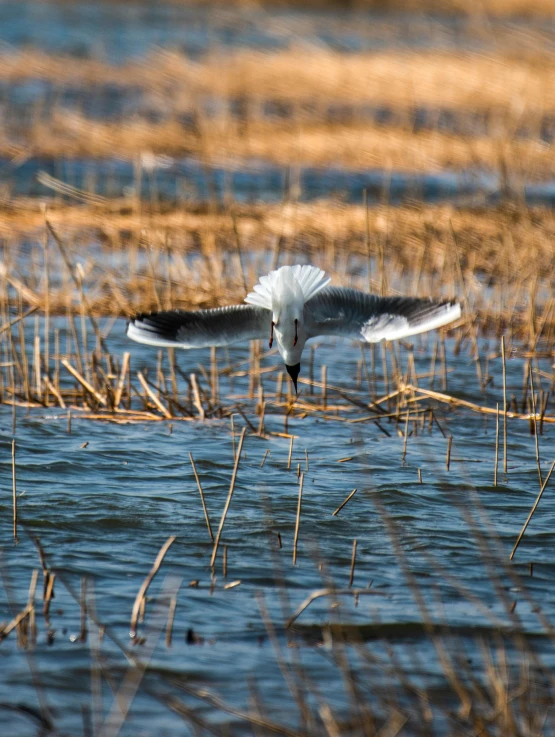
(119, 31)
(103, 511)
(179, 181)
(182, 181)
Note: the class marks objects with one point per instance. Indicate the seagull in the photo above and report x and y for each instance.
(289, 306)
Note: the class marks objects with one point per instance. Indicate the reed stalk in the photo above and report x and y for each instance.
(228, 500)
(496, 462)
(353, 561)
(347, 499)
(504, 404)
(14, 492)
(204, 509)
(298, 519)
(141, 594)
(531, 513)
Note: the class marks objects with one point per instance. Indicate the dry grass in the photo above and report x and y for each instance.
(357, 146)
(99, 265)
(398, 79)
(510, 93)
(135, 260)
(514, 81)
(377, 147)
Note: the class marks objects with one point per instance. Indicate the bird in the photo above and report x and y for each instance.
(289, 306)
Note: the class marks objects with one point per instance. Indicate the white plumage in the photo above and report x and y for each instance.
(310, 279)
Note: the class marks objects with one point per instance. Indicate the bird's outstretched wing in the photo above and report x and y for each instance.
(353, 314)
(201, 328)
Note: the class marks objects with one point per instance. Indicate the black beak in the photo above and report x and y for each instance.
(293, 372)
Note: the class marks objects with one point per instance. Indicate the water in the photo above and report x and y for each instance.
(119, 31)
(103, 511)
(122, 32)
(178, 181)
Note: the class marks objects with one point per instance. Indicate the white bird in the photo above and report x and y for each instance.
(292, 305)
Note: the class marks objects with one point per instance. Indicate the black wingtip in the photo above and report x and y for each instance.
(148, 326)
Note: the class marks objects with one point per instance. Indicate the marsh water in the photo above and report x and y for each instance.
(119, 33)
(433, 543)
(104, 498)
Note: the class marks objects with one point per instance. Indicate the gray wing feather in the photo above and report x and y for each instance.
(201, 328)
(367, 317)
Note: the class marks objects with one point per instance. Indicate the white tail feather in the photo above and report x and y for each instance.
(311, 280)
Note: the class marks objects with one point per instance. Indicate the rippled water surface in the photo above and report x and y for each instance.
(104, 498)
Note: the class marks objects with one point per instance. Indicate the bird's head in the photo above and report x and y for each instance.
(293, 372)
